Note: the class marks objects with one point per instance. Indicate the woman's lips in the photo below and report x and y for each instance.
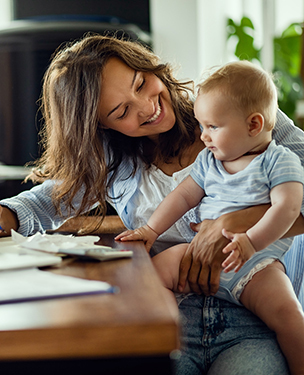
(156, 115)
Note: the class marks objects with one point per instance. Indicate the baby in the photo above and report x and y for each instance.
(241, 166)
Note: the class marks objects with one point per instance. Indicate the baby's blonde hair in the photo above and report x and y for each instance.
(248, 87)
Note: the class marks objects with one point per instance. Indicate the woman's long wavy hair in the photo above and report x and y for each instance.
(73, 139)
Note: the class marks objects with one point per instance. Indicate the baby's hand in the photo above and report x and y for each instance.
(145, 234)
(240, 249)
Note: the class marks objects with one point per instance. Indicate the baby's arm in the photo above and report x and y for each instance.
(286, 201)
(187, 195)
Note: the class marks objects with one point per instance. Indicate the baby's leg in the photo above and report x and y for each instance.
(270, 296)
(167, 265)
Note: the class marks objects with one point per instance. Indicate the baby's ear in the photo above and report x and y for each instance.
(255, 123)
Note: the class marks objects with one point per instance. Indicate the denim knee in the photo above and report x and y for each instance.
(213, 328)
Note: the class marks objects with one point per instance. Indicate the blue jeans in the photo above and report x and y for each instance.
(221, 338)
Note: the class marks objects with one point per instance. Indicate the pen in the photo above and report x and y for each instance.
(2, 230)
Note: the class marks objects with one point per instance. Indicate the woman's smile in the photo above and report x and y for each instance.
(156, 115)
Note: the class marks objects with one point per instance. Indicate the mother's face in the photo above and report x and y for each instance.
(134, 103)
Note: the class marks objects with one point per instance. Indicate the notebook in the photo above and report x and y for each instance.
(33, 284)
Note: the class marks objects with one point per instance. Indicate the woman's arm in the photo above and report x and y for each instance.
(201, 265)
(34, 210)
(297, 228)
(202, 262)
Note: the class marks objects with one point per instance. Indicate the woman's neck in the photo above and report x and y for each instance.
(180, 162)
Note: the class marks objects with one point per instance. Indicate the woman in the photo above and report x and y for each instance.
(119, 127)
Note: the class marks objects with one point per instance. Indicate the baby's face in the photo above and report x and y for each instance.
(225, 131)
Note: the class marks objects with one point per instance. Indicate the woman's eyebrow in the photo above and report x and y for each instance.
(132, 84)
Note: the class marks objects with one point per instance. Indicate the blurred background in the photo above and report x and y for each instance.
(193, 35)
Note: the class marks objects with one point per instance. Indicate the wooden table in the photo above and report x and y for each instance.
(133, 331)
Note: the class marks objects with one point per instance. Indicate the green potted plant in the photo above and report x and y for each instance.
(287, 60)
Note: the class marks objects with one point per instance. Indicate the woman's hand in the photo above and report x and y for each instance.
(8, 221)
(145, 234)
(202, 262)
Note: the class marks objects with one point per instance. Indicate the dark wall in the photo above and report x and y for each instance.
(133, 11)
(25, 52)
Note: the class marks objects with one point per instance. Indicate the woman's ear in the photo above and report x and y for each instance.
(255, 123)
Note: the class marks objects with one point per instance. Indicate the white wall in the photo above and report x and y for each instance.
(175, 33)
(5, 11)
(192, 33)
(189, 33)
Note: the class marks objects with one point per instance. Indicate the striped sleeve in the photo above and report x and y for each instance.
(34, 209)
(288, 135)
(294, 263)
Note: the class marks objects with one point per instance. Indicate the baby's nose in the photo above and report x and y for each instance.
(205, 136)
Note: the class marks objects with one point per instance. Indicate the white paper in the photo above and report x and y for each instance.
(52, 243)
(33, 284)
(13, 256)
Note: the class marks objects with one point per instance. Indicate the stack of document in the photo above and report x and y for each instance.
(15, 256)
(21, 280)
